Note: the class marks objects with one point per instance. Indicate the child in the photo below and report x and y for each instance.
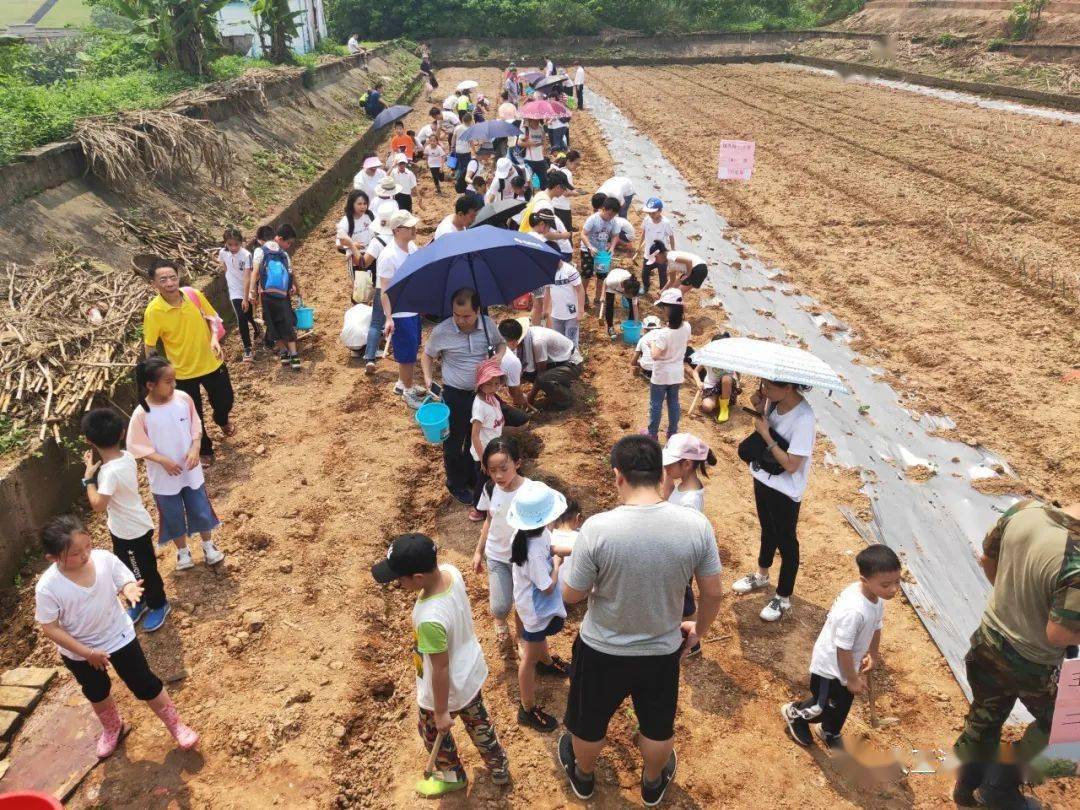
(537, 598)
(566, 164)
(620, 282)
(655, 227)
(502, 462)
(237, 263)
(77, 608)
(406, 181)
(565, 303)
(719, 390)
(435, 156)
(275, 281)
(686, 270)
(450, 666)
(846, 649)
(598, 234)
(402, 142)
(165, 431)
(564, 534)
(112, 486)
(487, 422)
(668, 349)
(643, 362)
(263, 235)
(477, 189)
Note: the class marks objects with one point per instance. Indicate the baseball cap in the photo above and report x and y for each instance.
(382, 217)
(403, 219)
(387, 188)
(671, 296)
(684, 446)
(399, 157)
(651, 322)
(408, 554)
(654, 204)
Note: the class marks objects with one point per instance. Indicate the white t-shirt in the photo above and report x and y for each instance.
(445, 227)
(685, 255)
(444, 621)
(535, 608)
(614, 280)
(548, 346)
(852, 621)
(461, 147)
(119, 479)
(579, 76)
(668, 367)
(511, 366)
(435, 155)
(564, 297)
(500, 534)
(361, 230)
(645, 347)
(618, 187)
(491, 422)
(797, 426)
(534, 152)
(235, 265)
(366, 182)
(91, 615)
(423, 134)
(450, 102)
(692, 498)
(563, 203)
(625, 229)
(376, 245)
(662, 230)
(168, 427)
(405, 179)
(390, 259)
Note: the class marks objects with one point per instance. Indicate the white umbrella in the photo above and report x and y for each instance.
(468, 84)
(770, 361)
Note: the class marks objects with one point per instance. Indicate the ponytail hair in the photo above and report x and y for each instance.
(703, 465)
(148, 372)
(519, 549)
(675, 314)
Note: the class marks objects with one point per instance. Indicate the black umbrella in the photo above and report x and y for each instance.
(390, 115)
(498, 213)
(550, 81)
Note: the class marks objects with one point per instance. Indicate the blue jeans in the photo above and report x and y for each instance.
(657, 395)
(374, 332)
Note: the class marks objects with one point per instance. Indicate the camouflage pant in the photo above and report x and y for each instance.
(478, 726)
(998, 676)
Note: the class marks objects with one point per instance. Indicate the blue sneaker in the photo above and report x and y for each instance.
(136, 613)
(155, 618)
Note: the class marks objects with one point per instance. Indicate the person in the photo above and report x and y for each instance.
(847, 649)
(542, 224)
(487, 423)
(565, 303)
(465, 210)
(622, 189)
(788, 418)
(1031, 557)
(276, 282)
(477, 188)
(499, 188)
(236, 262)
(450, 104)
(599, 233)
(112, 486)
(532, 139)
(462, 150)
(370, 175)
(402, 328)
(668, 349)
(511, 366)
(537, 598)
(431, 84)
(354, 231)
(558, 130)
(548, 358)
(565, 164)
(686, 270)
(449, 664)
(655, 227)
(464, 102)
(620, 282)
(579, 86)
(164, 430)
(406, 183)
(719, 390)
(642, 361)
(354, 45)
(402, 143)
(77, 604)
(564, 531)
(180, 318)
(263, 234)
(374, 103)
(632, 564)
(462, 342)
(435, 156)
(386, 191)
(473, 167)
(559, 188)
(381, 236)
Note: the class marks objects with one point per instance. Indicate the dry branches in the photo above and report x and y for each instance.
(167, 237)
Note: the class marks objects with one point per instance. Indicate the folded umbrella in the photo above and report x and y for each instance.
(498, 213)
(489, 131)
(390, 115)
(468, 84)
(770, 361)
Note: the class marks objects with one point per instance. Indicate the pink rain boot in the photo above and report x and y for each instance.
(112, 726)
(165, 709)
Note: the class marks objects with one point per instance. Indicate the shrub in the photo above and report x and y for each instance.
(995, 44)
(948, 41)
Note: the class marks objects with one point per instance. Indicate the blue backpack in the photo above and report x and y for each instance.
(276, 276)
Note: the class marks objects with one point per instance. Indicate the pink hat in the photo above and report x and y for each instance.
(489, 370)
(372, 163)
(685, 446)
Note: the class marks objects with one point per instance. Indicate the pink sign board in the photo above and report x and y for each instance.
(736, 160)
(1066, 728)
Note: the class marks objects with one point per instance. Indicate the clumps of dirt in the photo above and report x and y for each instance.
(1003, 485)
(253, 539)
(920, 473)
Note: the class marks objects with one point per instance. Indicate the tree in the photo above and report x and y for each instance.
(176, 32)
(276, 20)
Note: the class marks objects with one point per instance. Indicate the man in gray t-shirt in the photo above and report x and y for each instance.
(632, 564)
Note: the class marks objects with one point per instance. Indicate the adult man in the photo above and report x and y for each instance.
(1032, 558)
(354, 45)
(579, 86)
(633, 564)
(403, 328)
(190, 343)
(461, 342)
(462, 151)
(548, 358)
(465, 210)
(622, 189)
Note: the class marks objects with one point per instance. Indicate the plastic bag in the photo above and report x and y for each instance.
(354, 332)
(362, 288)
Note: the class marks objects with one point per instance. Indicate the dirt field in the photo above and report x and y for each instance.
(316, 709)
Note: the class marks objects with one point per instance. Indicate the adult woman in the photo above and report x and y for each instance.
(778, 496)
(567, 163)
(354, 231)
(532, 132)
(668, 350)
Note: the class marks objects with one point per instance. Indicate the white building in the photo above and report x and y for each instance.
(236, 20)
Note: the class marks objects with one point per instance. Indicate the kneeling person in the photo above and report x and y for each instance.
(548, 358)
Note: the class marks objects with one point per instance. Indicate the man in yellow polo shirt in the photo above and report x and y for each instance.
(190, 345)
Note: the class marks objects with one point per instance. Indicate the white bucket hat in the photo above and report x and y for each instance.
(387, 188)
(382, 221)
(535, 504)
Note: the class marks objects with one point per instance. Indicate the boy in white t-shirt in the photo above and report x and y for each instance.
(236, 260)
(565, 302)
(450, 666)
(620, 282)
(846, 650)
(406, 181)
(655, 227)
(112, 486)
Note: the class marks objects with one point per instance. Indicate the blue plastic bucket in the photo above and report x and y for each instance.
(535, 181)
(631, 332)
(434, 420)
(305, 317)
(602, 261)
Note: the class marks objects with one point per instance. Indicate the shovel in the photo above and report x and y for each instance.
(429, 785)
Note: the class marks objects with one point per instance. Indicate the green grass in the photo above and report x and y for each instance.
(15, 12)
(65, 13)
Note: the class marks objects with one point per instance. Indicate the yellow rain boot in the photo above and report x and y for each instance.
(722, 408)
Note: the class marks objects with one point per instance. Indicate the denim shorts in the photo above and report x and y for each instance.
(406, 339)
(554, 626)
(186, 513)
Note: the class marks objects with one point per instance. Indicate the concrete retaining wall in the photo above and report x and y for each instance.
(1049, 51)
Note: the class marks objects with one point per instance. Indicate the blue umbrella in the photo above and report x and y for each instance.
(499, 264)
(390, 115)
(489, 131)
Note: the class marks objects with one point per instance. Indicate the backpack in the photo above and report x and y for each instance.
(274, 272)
(213, 322)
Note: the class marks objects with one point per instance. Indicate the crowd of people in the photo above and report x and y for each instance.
(648, 569)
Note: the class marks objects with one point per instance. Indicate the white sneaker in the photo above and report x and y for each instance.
(211, 553)
(412, 400)
(751, 582)
(183, 559)
(776, 609)
(399, 388)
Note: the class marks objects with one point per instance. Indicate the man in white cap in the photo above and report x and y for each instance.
(380, 238)
(369, 176)
(403, 328)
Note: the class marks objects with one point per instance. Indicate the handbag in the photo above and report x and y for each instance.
(755, 452)
(362, 288)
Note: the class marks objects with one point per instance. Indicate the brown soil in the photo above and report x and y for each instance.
(317, 707)
(901, 216)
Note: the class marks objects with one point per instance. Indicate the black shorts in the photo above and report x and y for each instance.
(696, 277)
(599, 683)
(278, 315)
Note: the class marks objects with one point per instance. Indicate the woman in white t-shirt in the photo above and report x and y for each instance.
(487, 422)
(354, 231)
(668, 349)
(778, 496)
(532, 132)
